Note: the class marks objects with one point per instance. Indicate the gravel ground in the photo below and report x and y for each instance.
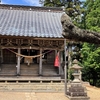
(93, 93)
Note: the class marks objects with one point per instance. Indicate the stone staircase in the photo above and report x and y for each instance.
(25, 70)
(40, 85)
(29, 80)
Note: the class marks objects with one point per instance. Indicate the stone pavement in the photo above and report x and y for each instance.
(93, 93)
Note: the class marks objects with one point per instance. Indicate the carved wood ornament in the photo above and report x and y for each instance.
(30, 42)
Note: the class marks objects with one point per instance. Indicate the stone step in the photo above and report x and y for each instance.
(36, 87)
(33, 69)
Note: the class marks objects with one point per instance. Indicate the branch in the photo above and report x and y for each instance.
(72, 32)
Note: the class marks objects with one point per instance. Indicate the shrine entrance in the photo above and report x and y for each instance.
(41, 65)
(30, 52)
(11, 58)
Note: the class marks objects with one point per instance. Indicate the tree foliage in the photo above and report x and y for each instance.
(91, 55)
(90, 52)
(72, 7)
(93, 15)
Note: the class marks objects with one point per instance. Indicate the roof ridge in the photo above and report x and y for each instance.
(25, 7)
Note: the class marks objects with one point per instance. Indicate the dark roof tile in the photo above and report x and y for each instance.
(39, 23)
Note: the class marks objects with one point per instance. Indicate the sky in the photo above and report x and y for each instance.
(23, 2)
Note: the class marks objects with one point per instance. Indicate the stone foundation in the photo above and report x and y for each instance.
(77, 92)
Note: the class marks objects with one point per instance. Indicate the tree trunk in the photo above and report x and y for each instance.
(73, 33)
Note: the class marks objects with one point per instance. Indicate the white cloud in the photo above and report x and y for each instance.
(3, 2)
(32, 2)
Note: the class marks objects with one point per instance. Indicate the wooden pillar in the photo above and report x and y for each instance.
(69, 59)
(56, 68)
(55, 53)
(59, 63)
(40, 63)
(0, 57)
(69, 55)
(65, 67)
(18, 63)
(61, 57)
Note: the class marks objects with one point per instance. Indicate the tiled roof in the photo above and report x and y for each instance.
(30, 21)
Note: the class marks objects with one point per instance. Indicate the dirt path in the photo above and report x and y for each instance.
(93, 93)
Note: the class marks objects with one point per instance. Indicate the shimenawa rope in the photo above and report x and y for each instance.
(28, 56)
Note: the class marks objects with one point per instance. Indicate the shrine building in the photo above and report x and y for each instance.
(30, 39)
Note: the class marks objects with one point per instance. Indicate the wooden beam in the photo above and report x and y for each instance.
(18, 62)
(40, 63)
(36, 48)
(26, 43)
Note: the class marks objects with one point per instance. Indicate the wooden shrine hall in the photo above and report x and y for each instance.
(30, 39)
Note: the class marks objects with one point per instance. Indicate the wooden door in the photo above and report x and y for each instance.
(51, 57)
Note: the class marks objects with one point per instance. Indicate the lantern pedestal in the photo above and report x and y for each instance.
(76, 77)
(77, 92)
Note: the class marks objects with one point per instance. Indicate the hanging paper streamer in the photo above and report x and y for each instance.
(57, 61)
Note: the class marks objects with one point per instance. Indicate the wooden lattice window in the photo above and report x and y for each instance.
(8, 57)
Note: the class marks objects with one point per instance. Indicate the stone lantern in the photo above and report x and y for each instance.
(77, 69)
(76, 91)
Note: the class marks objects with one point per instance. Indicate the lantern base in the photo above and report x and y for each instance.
(77, 92)
(78, 98)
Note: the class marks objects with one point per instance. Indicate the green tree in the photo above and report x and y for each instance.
(72, 7)
(93, 15)
(90, 52)
(91, 62)
(54, 3)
